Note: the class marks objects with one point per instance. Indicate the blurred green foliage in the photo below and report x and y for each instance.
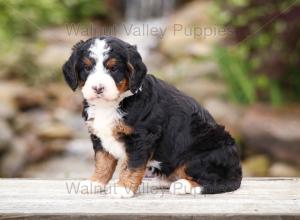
(235, 71)
(261, 61)
(23, 18)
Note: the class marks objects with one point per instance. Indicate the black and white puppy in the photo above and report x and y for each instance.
(140, 120)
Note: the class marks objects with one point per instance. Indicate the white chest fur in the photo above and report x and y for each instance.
(101, 121)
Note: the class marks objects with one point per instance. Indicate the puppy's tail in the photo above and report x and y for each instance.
(228, 186)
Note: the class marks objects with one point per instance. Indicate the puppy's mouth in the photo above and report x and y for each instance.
(101, 97)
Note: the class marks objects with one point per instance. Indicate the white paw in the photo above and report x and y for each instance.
(121, 192)
(181, 187)
(88, 187)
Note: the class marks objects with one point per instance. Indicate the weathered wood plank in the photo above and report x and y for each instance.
(53, 199)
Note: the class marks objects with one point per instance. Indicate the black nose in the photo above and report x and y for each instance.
(98, 89)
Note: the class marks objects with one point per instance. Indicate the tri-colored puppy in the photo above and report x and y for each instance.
(137, 119)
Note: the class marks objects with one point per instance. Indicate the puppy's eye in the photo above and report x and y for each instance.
(113, 68)
(111, 64)
(88, 67)
(88, 64)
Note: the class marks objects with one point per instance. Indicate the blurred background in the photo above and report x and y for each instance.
(239, 58)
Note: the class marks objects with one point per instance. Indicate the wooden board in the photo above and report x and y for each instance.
(258, 198)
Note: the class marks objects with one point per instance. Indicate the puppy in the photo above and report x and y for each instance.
(137, 119)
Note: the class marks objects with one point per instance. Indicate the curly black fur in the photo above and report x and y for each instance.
(177, 131)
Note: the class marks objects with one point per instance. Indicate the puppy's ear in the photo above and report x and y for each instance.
(69, 68)
(136, 68)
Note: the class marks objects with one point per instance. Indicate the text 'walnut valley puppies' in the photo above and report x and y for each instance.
(136, 119)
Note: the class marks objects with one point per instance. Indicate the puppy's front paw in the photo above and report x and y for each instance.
(121, 192)
(91, 187)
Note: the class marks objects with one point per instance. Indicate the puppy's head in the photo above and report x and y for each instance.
(104, 68)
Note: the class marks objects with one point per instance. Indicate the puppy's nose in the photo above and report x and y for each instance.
(98, 89)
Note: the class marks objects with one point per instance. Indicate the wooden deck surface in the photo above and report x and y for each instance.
(258, 198)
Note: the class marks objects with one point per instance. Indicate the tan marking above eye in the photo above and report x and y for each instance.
(111, 63)
(87, 61)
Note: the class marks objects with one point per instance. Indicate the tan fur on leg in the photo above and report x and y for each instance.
(105, 165)
(131, 178)
(180, 173)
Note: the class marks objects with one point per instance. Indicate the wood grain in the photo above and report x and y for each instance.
(258, 198)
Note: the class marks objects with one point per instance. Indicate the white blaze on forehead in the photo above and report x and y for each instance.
(99, 51)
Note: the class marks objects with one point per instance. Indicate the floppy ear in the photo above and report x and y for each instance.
(136, 68)
(69, 68)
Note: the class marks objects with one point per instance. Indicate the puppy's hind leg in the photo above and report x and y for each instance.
(184, 184)
(218, 172)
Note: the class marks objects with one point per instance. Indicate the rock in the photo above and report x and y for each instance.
(191, 32)
(39, 150)
(38, 117)
(6, 135)
(14, 160)
(222, 110)
(8, 91)
(53, 131)
(155, 61)
(284, 170)
(57, 90)
(273, 131)
(30, 122)
(201, 89)
(7, 112)
(226, 114)
(75, 159)
(57, 44)
(53, 56)
(80, 147)
(60, 95)
(57, 35)
(189, 69)
(55, 147)
(18, 96)
(22, 123)
(73, 121)
(36, 149)
(50, 127)
(61, 167)
(256, 166)
(72, 102)
(30, 98)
